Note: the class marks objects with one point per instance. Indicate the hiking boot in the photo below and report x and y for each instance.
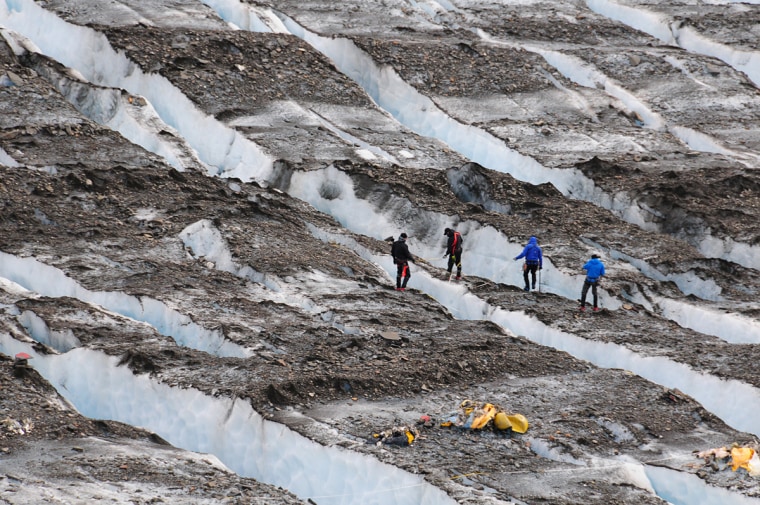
(534, 286)
(596, 309)
(582, 308)
(526, 288)
(399, 289)
(459, 277)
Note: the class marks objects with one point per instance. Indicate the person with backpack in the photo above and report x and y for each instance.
(401, 258)
(454, 251)
(594, 271)
(534, 260)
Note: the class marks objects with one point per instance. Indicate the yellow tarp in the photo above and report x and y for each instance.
(484, 417)
(474, 416)
(519, 423)
(740, 457)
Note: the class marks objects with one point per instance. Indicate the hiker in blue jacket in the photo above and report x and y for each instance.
(594, 271)
(534, 260)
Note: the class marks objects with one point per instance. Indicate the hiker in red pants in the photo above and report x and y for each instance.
(401, 257)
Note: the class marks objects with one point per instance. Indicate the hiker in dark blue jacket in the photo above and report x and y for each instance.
(594, 271)
(534, 260)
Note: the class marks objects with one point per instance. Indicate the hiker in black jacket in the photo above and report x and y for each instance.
(401, 257)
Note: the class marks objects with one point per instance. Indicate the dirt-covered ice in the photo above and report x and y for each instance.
(197, 199)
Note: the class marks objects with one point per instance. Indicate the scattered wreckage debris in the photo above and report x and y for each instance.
(398, 435)
(476, 416)
(469, 416)
(675, 396)
(15, 427)
(736, 456)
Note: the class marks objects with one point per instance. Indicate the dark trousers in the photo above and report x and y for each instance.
(530, 268)
(456, 259)
(586, 285)
(402, 274)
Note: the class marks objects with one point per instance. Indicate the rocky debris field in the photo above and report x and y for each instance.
(125, 247)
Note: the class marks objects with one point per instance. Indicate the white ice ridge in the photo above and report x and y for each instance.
(674, 486)
(61, 341)
(733, 401)
(688, 283)
(52, 282)
(728, 249)
(90, 53)
(546, 449)
(132, 116)
(206, 241)
(670, 32)
(420, 114)
(246, 17)
(402, 101)
(737, 403)
(731, 327)
(684, 488)
(227, 428)
(587, 75)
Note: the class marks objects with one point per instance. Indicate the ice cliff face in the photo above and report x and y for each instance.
(197, 199)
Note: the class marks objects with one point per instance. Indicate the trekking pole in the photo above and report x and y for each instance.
(539, 280)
